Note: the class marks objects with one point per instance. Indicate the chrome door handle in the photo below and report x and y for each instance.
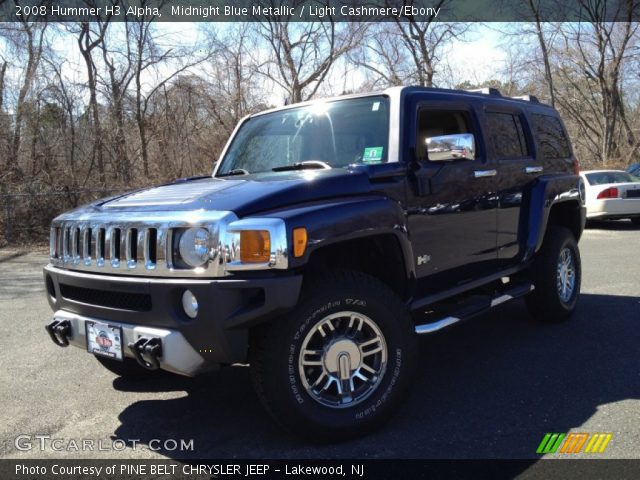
(533, 169)
(485, 173)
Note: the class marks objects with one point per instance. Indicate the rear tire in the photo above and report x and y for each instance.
(360, 352)
(556, 274)
(129, 369)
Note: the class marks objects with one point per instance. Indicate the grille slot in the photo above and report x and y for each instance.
(132, 247)
(137, 302)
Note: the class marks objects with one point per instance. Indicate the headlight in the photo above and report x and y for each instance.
(194, 246)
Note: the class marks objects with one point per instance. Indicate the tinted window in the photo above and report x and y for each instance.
(601, 178)
(550, 137)
(507, 135)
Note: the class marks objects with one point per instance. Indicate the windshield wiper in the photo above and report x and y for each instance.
(306, 165)
(235, 171)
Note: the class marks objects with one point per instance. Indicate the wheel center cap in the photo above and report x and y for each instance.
(342, 357)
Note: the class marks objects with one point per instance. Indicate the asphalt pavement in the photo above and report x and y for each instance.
(489, 388)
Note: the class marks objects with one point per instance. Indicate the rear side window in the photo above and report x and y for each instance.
(507, 135)
(550, 137)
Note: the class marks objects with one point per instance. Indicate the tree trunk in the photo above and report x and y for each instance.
(85, 50)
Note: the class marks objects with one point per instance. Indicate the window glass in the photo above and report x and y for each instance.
(437, 123)
(507, 135)
(337, 133)
(550, 137)
(602, 178)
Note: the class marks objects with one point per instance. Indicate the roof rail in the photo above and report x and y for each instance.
(527, 98)
(486, 91)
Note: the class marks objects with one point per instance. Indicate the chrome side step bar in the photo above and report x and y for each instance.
(517, 291)
(435, 326)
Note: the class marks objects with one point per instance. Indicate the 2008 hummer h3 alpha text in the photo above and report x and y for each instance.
(329, 236)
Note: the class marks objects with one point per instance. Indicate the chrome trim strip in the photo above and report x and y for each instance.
(537, 169)
(501, 299)
(435, 326)
(484, 173)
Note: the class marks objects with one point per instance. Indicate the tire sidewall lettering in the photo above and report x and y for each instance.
(394, 366)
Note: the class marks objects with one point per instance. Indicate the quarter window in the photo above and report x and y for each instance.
(550, 137)
(507, 135)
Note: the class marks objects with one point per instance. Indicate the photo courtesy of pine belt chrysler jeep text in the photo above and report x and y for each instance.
(330, 235)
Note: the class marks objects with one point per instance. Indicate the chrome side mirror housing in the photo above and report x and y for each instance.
(447, 148)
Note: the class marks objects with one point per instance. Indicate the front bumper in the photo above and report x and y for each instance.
(219, 334)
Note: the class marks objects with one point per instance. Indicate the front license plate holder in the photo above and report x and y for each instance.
(104, 340)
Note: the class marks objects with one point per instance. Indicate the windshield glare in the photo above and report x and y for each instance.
(338, 133)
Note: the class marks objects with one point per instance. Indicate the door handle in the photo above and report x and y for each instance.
(536, 169)
(485, 173)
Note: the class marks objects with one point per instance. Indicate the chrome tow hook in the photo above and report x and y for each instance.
(147, 352)
(59, 331)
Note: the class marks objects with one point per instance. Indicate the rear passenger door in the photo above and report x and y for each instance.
(511, 147)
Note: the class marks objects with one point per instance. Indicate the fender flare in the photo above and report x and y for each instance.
(545, 194)
(350, 219)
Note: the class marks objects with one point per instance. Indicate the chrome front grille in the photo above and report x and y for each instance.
(129, 247)
(140, 244)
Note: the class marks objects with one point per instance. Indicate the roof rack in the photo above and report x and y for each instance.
(487, 91)
(527, 98)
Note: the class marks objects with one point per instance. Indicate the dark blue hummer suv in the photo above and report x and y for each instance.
(330, 235)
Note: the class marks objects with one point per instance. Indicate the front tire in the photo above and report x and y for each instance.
(556, 274)
(340, 362)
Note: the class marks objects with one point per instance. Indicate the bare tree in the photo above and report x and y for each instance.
(119, 63)
(592, 68)
(302, 54)
(26, 36)
(534, 6)
(88, 40)
(425, 41)
(149, 55)
(383, 57)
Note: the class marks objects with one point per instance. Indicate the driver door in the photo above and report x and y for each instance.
(452, 202)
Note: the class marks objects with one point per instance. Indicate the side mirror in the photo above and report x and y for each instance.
(447, 148)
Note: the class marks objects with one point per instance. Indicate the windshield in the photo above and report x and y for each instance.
(338, 134)
(602, 178)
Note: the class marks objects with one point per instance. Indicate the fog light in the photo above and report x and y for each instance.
(190, 304)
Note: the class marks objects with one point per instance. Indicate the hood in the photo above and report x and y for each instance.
(245, 195)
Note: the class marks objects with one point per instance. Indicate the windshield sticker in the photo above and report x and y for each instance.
(375, 107)
(372, 155)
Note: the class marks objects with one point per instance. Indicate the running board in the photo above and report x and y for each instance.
(517, 291)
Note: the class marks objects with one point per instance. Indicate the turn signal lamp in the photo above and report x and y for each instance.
(255, 246)
(299, 241)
